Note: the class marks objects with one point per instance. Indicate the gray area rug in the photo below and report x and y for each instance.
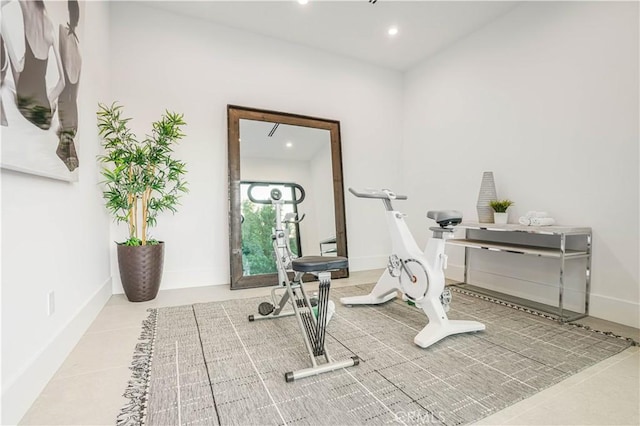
(206, 364)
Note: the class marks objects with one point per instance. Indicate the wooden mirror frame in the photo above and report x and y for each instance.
(234, 115)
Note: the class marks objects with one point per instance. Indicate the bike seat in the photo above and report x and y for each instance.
(319, 263)
(445, 217)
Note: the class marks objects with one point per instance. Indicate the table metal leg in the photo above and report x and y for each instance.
(588, 277)
(563, 248)
(466, 259)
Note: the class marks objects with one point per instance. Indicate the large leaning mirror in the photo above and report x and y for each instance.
(269, 149)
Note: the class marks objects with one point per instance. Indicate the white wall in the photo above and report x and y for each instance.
(164, 61)
(546, 97)
(322, 173)
(55, 237)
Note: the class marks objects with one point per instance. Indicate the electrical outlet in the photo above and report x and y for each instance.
(51, 303)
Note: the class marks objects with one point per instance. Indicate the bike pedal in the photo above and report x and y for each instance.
(266, 308)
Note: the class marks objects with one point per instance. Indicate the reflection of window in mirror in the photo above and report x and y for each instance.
(257, 227)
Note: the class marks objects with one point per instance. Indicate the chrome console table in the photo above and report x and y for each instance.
(564, 243)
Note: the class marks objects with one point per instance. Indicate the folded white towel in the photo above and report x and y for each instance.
(532, 214)
(533, 218)
(542, 221)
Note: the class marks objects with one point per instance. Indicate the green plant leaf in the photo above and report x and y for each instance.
(133, 168)
(500, 206)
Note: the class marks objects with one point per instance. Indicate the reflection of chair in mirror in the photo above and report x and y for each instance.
(328, 246)
(312, 319)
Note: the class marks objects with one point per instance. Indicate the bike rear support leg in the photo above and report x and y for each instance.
(440, 326)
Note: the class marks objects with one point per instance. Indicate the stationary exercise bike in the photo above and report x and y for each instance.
(311, 318)
(419, 275)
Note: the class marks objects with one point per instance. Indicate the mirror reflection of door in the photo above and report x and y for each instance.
(280, 153)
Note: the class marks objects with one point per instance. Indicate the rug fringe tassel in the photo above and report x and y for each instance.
(134, 411)
(631, 341)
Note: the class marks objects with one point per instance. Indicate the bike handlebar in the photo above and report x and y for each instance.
(275, 194)
(383, 194)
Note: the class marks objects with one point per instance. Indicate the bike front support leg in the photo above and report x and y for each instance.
(384, 290)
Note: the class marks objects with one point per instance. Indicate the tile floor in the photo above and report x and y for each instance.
(86, 389)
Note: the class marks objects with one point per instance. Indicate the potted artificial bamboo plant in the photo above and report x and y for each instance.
(142, 179)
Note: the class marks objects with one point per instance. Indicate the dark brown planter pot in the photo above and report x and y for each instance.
(141, 270)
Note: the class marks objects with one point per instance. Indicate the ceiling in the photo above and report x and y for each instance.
(259, 139)
(357, 29)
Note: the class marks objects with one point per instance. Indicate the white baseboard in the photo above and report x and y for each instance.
(367, 263)
(454, 272)
(179, 279)
(615, 310)
(186, 278)
(604, 307)
(23, 388)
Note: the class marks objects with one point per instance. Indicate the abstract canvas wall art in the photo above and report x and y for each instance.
(41, 67)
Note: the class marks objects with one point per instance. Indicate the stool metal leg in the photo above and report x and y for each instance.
(312, 327)
(314, 333)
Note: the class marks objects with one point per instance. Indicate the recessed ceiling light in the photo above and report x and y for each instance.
(289, 144)
(303, 1)
(393, 30)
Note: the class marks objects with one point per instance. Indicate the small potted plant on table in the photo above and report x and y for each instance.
(500, 215)
(142, 179)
